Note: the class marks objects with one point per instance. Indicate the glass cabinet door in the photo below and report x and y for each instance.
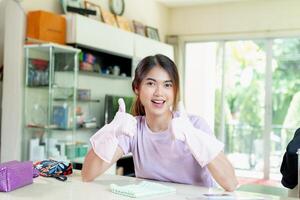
(50, 102)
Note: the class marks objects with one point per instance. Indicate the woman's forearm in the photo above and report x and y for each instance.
(223, 172)
(91, 167)
(94, 166)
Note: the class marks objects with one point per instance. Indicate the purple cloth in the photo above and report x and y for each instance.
(157, 156)
(15, 174)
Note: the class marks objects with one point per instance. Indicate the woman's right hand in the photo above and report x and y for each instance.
(105, 142)
(123, 123)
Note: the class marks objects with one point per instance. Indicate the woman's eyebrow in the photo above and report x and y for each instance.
(152, 79)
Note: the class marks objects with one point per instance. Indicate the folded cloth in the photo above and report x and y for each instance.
(15, 174)
(145, 188)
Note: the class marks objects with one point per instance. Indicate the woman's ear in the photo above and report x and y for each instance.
(136, 91)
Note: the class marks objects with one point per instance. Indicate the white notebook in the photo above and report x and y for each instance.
(144, 188)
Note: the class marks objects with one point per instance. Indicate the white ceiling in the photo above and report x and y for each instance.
(179, 3)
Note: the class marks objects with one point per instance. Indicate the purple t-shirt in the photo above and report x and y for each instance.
(157, 156)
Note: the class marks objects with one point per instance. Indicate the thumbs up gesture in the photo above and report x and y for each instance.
(203, 146)
(105, 142)
(122, 106)
(124, 123)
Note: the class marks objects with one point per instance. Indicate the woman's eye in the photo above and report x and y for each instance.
(168, 85)
(150, 83)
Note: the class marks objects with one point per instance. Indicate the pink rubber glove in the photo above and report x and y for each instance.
(204, 147)
(105, 142)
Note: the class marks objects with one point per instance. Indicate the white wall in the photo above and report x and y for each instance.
(200, 80)
(246, 18)
(12, 82)
(2, 3)
(2, 6)
(149, 12)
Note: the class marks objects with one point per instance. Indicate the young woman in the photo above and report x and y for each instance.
(167, 145)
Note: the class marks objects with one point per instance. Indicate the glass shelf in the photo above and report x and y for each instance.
(38, 86)
(78, 100)
(59, 129)
(110, 76)
(56, 48)
(97, 74)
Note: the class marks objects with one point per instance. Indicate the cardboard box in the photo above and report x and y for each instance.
(46, 26)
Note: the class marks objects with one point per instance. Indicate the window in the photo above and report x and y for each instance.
(229, 84)
(285, 98)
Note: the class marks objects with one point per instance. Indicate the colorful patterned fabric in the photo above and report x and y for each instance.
(52, 168)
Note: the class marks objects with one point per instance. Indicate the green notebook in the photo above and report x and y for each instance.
(144, 188)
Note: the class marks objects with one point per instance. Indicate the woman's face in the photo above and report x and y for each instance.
(156, 92)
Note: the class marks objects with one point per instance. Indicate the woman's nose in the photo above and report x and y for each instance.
(158, 90)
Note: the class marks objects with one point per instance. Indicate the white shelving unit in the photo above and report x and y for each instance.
(94, 34)
(144, 47)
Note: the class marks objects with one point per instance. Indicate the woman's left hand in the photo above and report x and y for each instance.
(203, 146)
(180, 124)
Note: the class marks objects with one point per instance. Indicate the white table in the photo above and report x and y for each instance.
(75, 189)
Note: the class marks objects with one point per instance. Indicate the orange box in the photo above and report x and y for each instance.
(46, 26)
